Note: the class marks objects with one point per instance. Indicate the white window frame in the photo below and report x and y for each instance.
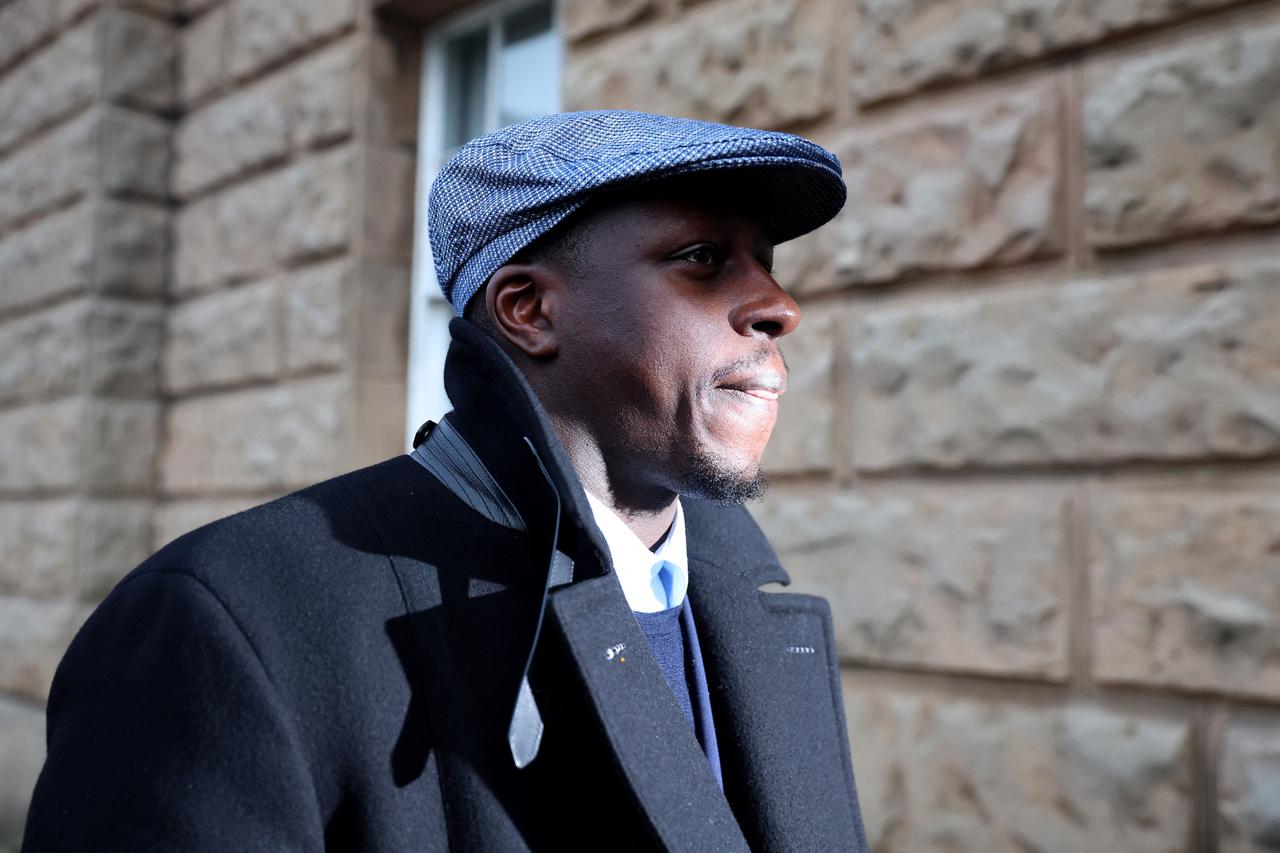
(429, 312)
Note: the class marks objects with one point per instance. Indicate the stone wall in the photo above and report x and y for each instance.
(285, 350)
(205, 242)
(1030, 449)
(87, 97)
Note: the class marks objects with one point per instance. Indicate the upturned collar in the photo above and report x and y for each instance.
(497, 412)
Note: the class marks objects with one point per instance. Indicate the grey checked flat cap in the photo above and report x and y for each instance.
(503, 191)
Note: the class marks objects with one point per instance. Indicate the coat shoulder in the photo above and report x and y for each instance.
(310, 536)
(302, 563)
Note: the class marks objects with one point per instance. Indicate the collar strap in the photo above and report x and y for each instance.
(448, 456)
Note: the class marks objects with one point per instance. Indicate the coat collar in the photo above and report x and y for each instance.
(786, 762)
(497, 412)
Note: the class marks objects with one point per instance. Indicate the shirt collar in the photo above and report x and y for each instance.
(637, 567)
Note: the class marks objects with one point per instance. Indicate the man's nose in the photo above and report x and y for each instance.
(765, 309)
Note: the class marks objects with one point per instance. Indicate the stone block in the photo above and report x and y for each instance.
(304, 105)
(174, 518)
(804, 265)
(47, 259)
(21, 756)
(44, 354)
(243, 131)
(71, 547)
(379, 431)
(23, 25)
(203, 54)
(384, 319)
(105, 246)
(584, 18)
(224, 338)
(259, 226)
(112, 537)
(265, 31)
(139, 59)
(29, 187)
(970, 579)
(939, 772)
(71, 10)
(1171, 365)
(901, 45)
(131, 248)
(947, 190)
(802, 437)
(1185, 141)
(38, 548)
(1249, 787)
(90, 345)
(105, 149)
(42, 445)
(761, 63)
(79, 444)
(323, 93)
(135, 154)
(389, 175)
(50, 84)
(1186, 590)
(124, 341)
(278, 438)
(121, 441)
(33, 637)
(316, 304)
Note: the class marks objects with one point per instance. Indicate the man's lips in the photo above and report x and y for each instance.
(762, 385)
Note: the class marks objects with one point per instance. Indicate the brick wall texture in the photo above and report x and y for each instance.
(1030, 452)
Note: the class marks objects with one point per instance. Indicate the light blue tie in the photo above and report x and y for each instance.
(664, 582)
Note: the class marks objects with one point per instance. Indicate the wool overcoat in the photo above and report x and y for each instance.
(336, 670)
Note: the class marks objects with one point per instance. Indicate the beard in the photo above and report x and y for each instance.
(711, 478)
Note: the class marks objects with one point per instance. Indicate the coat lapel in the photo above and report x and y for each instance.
(775, 691)
(651, 739)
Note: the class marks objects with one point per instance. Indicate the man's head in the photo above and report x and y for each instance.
(647, 318)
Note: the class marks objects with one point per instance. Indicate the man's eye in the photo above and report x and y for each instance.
(705, 255)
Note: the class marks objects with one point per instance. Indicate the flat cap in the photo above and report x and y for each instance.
(503, 191)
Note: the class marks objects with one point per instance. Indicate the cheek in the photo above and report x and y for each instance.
(633, 379)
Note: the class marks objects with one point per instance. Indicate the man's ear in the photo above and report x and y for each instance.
(521, 299)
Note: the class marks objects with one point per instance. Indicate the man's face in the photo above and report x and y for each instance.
(668, 342)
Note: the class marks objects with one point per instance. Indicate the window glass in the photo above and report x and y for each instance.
(530, 57)
(466, 72)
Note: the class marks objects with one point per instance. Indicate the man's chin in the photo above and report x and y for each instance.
(714, 479)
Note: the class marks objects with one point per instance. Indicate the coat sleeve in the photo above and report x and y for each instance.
(165, 732)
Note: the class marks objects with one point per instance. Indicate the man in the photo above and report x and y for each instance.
(543, 629)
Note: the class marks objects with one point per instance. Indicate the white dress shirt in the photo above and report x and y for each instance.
(651, 580)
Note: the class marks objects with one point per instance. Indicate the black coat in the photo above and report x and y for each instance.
(336, 670)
